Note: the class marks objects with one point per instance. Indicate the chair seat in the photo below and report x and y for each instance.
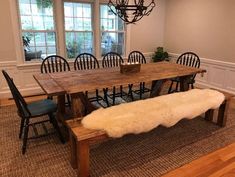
(42, 107)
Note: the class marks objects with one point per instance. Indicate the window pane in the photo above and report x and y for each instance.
(26, 23)
(48, 22)
(78, 20)
(112, 32)
(50, 39)
(38, 12)
(71, 45)
(69, 24)
(78, 42)
(112, 42)
(68, 9)
(42, 49)
(25, 7)
(37, 23)
(51, 50)
(87, 24)
(87, 10)
(109, 21)
(40, 39)
(78, 9)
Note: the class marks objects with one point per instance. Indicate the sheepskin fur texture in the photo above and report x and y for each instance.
(145, 115)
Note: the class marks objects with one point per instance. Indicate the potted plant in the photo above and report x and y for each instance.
(160, 55)
(26, 42)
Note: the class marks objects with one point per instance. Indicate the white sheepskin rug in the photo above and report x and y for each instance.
(145, 115)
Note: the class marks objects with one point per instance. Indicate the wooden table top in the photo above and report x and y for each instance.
(89, 80)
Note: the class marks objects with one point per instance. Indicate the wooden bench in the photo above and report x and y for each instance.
(81, 138)
(222, 111)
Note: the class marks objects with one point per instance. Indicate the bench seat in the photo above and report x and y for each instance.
(81, 138)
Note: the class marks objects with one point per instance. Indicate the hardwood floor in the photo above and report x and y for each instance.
(220, 163)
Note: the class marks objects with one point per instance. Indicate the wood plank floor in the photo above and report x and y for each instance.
(220, 163)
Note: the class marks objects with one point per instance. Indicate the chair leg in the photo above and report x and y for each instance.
(141, 90)
(21, 127)
(114, 95)
(56, 126)
(130, 92)
(143, 85)
(192, 87)
(68, 100)
(177, 87)
(97, 95)
(121, 91)
(169, 91)
(25, 138)
(86, 93)
(105, 90)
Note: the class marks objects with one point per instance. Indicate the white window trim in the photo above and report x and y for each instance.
(60, 31)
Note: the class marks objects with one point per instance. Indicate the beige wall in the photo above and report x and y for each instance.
(148, 33)
(7, 49)
(204, 26)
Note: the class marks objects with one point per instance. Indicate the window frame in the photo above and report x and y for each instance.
(58, 16)
(92, 25)
(21, 31)
(124, 31)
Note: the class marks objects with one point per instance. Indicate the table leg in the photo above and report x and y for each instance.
(184, 86)
(81, 106)
(61, 107)
(156, 88)
(77, 105)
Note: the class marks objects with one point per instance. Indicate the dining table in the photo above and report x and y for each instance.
(76, 83)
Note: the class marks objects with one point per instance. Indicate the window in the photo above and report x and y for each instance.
(112, 32)
(38, 29)
(78, 28)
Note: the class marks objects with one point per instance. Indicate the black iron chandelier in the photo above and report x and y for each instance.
(131, 11)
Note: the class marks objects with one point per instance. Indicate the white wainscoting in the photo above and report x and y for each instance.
(22, 76)
(220, 75)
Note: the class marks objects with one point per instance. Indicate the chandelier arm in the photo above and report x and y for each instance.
(130, 13)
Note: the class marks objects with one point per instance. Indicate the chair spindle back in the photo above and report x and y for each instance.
(18, 98)
(189, 59)
(136, 56)
(112, 59)
(54, 63)
(86, 61)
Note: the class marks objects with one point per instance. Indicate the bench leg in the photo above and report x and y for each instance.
(72, 142)
(222, 114)
(209, 115)
(83, 160)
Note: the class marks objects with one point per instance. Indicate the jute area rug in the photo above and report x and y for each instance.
(144, 155)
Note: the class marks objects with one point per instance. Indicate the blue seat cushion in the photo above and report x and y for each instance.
(42, 107)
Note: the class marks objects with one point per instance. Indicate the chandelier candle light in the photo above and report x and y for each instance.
(131, 11)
